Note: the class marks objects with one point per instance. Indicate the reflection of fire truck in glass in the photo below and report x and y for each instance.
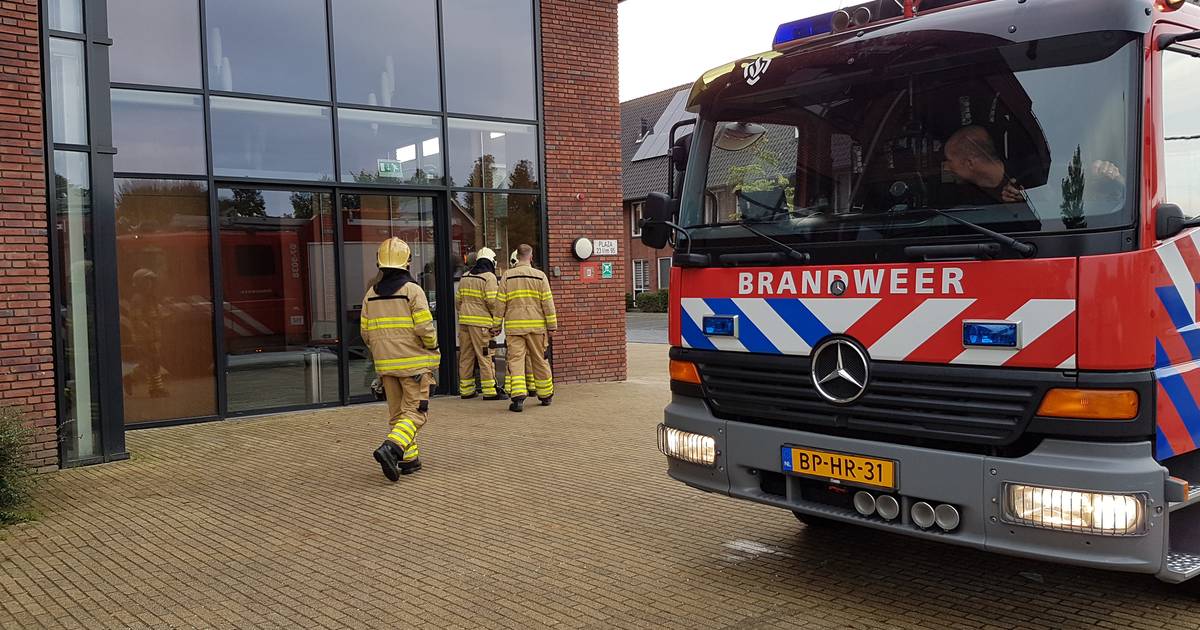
(265, 277)
(932, 276)
(265, 280)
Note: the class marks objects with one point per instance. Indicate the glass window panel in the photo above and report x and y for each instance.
(664, 273)
(155, 42)
(277, 267)
(80, 401)
(164, 278)
(156, 132)
(1181, 130)
(275, 47)
(493, 155)
(271, 140)
(489, 57)
(386, 53)
(367, 221)
(68, 91)
(497, 220)
(65, 15)
(390, 148)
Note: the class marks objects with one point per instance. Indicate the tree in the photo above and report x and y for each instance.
(523, 176)
(1072, 193)
(147, 205)
(304, 205)
(483, 172)
(246, 202)
(761, 174)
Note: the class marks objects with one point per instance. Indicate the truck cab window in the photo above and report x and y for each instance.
(986, 132)
(1181, 128)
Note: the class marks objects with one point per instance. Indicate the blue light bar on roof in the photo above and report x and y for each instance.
(803, 29)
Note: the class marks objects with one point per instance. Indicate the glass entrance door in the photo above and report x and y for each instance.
(368, 220)
(280, 301)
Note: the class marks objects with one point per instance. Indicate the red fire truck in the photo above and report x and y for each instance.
(936, 273)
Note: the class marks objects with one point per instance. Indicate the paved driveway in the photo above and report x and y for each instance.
(646, 327)
(560, 516)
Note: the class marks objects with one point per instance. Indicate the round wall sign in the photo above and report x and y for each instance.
(583, 248)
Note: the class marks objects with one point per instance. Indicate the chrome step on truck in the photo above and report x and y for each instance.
(1181, 565)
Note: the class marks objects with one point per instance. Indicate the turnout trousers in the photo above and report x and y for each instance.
(531, 346)
(473, 352)
(408, 407)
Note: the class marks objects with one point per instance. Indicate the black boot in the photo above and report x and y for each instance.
(546, 401)
(516, 404)
(470, 396)
(500, 395)
(410, 467)
(389, 455)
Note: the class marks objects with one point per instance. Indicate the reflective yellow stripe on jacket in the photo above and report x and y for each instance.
(478, 320)
(524, 324)
(477, 293)
(525, 293)
(431, 360)
(380, 323)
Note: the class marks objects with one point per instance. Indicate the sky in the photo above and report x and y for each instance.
(665, 43)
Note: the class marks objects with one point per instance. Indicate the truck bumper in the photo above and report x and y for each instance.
(972, 483)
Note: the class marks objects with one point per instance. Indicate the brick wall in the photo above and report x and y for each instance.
(583, 183)
(26, 351)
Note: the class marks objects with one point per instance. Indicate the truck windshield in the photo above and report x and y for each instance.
(1021, 138)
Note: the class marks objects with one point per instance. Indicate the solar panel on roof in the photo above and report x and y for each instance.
(656, 144)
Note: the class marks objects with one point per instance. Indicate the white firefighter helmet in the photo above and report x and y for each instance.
(512, 259)
(486, 253)
(393, 254)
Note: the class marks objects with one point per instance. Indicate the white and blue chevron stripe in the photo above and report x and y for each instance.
(795, 325)
(771, 325)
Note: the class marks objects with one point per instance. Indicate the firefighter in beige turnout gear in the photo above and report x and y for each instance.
(478, 305)
(530, 381)
(529, 317)
(400, 332)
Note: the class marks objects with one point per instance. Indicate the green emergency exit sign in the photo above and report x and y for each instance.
(390, 168)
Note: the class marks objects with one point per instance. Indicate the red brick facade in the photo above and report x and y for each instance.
(26, 348)
(583, 183)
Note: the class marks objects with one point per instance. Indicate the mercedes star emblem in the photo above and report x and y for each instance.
(840, 370)
(837, 287)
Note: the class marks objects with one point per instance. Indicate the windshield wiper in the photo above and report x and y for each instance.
(790, 253)
(1026, 250)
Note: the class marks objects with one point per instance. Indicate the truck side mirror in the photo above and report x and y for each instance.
(679, 155)
(657, 213)
(1168, 221)
(680, 150)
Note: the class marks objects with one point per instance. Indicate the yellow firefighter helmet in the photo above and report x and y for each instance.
(512, 259)
(393, 254)
(486, 254)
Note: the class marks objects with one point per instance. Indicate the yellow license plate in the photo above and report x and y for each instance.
(840, 467)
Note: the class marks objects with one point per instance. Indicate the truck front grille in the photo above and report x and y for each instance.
(945, 403)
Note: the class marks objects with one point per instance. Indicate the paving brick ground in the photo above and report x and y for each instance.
(558, 517)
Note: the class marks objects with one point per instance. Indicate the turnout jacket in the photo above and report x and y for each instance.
(478, 300)
(528, 304)
(400, 332)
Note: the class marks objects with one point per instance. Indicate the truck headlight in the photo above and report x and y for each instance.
(689, 447)
(1098, 513)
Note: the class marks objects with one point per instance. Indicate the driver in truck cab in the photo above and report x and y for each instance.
(971, 156)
